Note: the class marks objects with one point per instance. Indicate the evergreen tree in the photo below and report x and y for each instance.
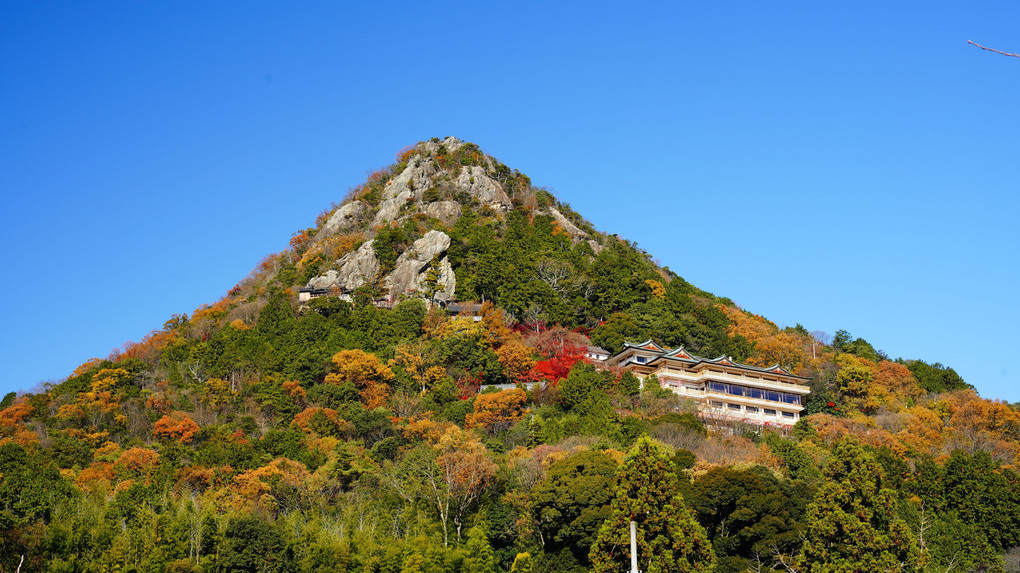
(852, 523)
(414, 563)
(480, 558)
(522, 564)
(668, 537)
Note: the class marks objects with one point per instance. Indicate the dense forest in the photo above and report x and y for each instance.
(362, 430)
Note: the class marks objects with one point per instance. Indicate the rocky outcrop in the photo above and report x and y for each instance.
(412, 271)
(565, 224)
(433, 184)
(346, 218)
(485, 189)
(416, 177)
(389, 209)
(423, 172)
(355, 269)
(446, 211)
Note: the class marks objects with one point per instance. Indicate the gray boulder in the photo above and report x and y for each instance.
(354, 270)
(346, 218)
(446, 211)
(411, 272)
(389, 209)
(487, 190)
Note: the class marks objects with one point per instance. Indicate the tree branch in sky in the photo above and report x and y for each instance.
(993, 50)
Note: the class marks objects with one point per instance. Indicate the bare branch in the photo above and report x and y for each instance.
(1015, 55)
(786, 562)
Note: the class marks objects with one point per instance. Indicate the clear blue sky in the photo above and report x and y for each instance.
(841, 165)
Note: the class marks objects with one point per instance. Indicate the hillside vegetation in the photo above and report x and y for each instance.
(360, 431)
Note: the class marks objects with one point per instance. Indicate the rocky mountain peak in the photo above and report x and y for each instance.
(421, 197)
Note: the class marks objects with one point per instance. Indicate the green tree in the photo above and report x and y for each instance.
(571, 503)
(577, 389)
(252, 545)
(983, 496)
(852, 522)
(936, 377)
(522, 564)
(617, 329)
(480, 558)
(29, 491)
(748, 513)
(630, 385)
(668, 537)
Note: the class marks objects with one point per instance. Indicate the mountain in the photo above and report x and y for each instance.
(337, 409)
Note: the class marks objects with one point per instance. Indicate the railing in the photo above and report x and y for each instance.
(749, 401)
(708, 375)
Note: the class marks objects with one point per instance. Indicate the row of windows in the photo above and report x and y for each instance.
(752, 409)
(735, 390)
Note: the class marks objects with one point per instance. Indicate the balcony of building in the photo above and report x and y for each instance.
(743, 380)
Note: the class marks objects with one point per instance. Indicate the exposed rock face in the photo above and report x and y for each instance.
(346, 218)
(487, 190)
(446, 211)
(433, 175)
(564, 223)
(325, 281)
(416, 178)
(356, 269)
(389, 209)
(412, 268)
(406, 186)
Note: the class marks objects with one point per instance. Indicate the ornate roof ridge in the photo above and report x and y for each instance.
(723, 360)
(644, 345)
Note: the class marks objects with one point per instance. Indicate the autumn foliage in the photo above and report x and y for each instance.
(176, 426)
(12, 426)
(771, 345)
(376, 457)
(366, 372)
(322, 421)
(497, 411)
(557, 367)
(137, 461)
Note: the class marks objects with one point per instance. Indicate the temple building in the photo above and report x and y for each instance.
(723, 389)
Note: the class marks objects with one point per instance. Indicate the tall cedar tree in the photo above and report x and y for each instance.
(852, 523)
(668, 537)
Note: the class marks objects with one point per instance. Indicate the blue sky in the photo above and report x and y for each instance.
(849, 166)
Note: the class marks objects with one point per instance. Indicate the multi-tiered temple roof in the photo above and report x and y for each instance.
(723, 388)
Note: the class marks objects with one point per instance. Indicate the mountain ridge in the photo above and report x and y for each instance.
(265, 415)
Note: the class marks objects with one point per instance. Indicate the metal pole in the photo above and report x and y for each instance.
(633, 547)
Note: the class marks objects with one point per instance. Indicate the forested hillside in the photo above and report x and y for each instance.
(360, 430)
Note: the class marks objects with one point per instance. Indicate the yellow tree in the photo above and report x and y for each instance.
(497, 411)
(415, 359)
(216, 393)
(99, 402)
(516, 359)
(496, 332)
(366, 372)
(466, 470)
(448, 475)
